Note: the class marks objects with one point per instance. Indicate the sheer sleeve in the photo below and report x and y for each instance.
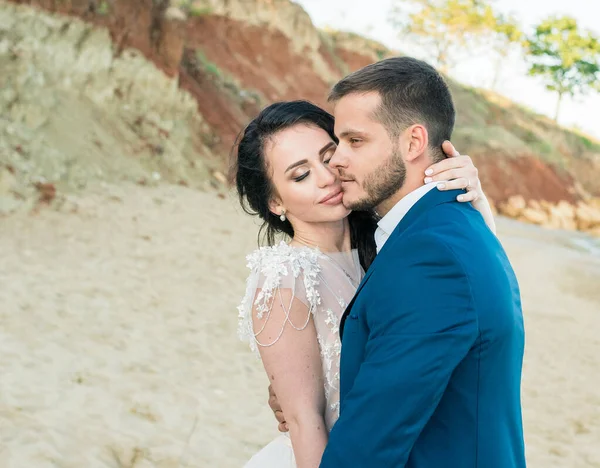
(279, 273)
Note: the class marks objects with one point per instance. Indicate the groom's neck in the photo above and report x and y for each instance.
(409, 186)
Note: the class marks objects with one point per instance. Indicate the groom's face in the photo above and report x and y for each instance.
(369, 162)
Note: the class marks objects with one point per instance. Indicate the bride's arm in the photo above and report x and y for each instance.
(293, 364)
(460, 173)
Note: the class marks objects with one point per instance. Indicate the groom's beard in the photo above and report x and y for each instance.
(382, 183)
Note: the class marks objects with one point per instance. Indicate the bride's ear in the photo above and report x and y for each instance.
(276, 207)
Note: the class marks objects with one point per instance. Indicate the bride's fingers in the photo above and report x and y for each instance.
(283, 427)
(460, 184)
(449, 149)
(274, 403)
(470, 196)
(449, 169)
(455, 174)
(456, 184)
(280, 417)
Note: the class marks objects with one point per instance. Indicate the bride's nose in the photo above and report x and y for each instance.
(325, 176)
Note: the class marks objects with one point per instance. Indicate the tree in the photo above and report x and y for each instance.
(566, 58)
(505, 35)
(441, 25)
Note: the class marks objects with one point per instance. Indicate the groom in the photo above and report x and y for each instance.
(432, 343)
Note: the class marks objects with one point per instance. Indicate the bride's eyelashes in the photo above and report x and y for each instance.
(305, 175)
(302, 177)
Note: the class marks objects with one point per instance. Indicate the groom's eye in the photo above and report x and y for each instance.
(355, 141)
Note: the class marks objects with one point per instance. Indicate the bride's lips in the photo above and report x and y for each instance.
(334, 198)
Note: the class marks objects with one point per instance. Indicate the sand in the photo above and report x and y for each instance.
(118, 343)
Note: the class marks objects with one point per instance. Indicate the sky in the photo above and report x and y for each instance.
(370, 18)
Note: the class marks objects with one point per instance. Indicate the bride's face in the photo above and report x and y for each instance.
(305, 186)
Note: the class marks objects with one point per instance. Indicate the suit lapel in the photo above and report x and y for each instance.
(349, 306)
(431, 199)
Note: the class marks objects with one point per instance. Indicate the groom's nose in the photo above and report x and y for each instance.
(338, 160)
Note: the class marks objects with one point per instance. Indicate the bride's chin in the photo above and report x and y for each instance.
(330, 215)
(346, 213)
(340, 213)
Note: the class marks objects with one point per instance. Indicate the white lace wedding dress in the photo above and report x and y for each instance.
(325, 283)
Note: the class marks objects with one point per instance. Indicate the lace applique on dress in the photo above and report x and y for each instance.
(271, 269)
(323, 284)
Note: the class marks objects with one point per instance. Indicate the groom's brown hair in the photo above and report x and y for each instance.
(411, 91)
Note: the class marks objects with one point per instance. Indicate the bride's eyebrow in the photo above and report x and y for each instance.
(322, 151)
(326, 148)
(296, 164)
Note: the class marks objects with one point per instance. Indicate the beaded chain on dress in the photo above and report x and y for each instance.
(324, 282)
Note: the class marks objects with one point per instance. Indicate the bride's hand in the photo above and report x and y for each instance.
(456, 172)
(459, 172)
(277, 411)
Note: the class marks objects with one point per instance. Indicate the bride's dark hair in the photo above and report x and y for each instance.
(254, 186)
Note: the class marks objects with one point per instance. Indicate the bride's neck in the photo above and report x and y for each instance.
(328, 237)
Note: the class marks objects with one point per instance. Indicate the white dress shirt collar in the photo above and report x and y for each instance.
(388, 223)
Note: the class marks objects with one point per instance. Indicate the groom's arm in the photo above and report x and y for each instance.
(422, 325)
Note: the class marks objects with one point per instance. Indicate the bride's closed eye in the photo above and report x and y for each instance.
(326, 160)
(301, 177)
(328, 155)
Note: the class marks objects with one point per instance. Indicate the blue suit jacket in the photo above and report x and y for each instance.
(432, 349)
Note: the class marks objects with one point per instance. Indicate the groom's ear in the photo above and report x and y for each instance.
(416, 140)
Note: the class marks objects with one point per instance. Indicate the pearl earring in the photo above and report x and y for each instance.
(282, 217)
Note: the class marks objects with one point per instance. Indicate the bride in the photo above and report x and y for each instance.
(297, 290)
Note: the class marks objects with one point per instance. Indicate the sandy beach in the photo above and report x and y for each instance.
(119, 348)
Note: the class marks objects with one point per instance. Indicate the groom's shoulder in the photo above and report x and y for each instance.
(452, 208)
(453, 217)
(457, 228)
(417, 244)
(442, 228)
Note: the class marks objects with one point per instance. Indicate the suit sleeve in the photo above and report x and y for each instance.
(422, 324)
